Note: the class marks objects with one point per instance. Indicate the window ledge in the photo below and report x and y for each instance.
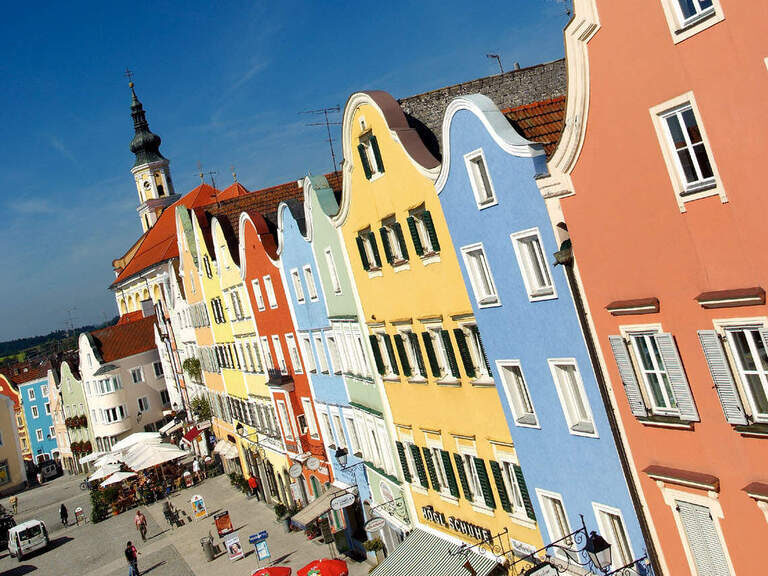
(666, 421)
(699, 187)
(417, 380)
(755, 429)
(581, 430)
(401, 266)
(391, 378)
(483, 510)
(455, 382)
(375, 273)
(419, 489)
(449, 498)
(522, 520)
(696, 20)
(484, 381)
(430, 258)
(375, 176)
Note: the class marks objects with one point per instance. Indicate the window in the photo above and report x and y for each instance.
(384, 353)
(287, 429)
(267, 353)
(555, 518)
(473, 353)
(44, 391)
(257, 294)
(322, 361)
(31, 394)
(480, 275)
(440, 353)
(570, 390)
(158, 366)
(370, 156)
(480, 179)
(270, 291)
(310, 416)
(686, 18)
(354, 440)
(293, 352)
(333, 350)
(369, 252)
(751, 355)
(143, 403)
(692, 158)
(437, 459)
(423, 233)
(413, 354)
(298, 290)
(39, 434)
(309, 278)
(165, 397)
(393, 241)
(115, 414)
(306, 349)
(52, 432)
(533, 264)
(654, 373)
(279, 354)
(339, 430)
(332, 271)
(48, 408)
(704, 542)
(514, 493)
(35, 413)
(468, 461)
(612, 528)
(137, 375)
(325, 426)
(517, 393)
(207, 266)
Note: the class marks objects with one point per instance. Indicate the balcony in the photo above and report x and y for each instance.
(280, 378)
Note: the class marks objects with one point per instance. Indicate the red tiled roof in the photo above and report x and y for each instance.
(125, 339)
(23, 372)
(131, 317)
(540, 121)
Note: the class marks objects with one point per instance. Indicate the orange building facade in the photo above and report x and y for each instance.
(658, 180)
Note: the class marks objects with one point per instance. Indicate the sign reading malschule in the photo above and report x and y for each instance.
(342, 501)
(455, 524)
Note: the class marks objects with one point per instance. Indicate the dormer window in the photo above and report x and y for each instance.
(370, 155)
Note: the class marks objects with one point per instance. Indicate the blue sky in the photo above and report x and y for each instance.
(222, 83)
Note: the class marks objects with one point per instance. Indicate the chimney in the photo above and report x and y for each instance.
(516, 66)
(147, 308)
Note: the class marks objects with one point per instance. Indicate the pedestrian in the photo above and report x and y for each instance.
(14, 501)
(40, 478)
(132, 556)
(253, 484)
(141, 524)
(64, 513)
(196, 469)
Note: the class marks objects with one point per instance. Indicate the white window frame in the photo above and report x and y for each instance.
(305, 339)
(270, 290)
(365, 140)
(482, 375)
(526, 263)
(602, 512)
(335, 352)
(545, 497)
(31, 394)
(145, 401)
(640, 369)
(279, 355)
(567, 401)
(746, 389)
(421, 229)
(398, 250)
(389, 371)
(681, 28)
(39, 434)
(322, 359)
(332, 271)
(684, 193)
(155, 366)
(514, 493)
(474, 267)
(309, 278)
(44, 390)
(514, 396)
(140, 371)
(310, 417)
(354, 438)
(293, 352)
(441, 355)
(297, 287)
(468, 460)
(325, 426)
(35, 411)
(267, 353)
(47, 407)
(411, 354)
(473, 170)
(256, 287)
(285, 418)
(338, 428)
(368, 248)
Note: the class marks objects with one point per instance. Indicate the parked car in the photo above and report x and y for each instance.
(48, 469)
(6, 523)
(26, 538)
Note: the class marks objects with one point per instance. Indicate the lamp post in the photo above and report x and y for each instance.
(599, 551)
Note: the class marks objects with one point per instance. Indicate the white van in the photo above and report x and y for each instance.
(27, 537)
(48, 469)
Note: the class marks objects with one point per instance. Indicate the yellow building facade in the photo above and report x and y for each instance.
(450, 430)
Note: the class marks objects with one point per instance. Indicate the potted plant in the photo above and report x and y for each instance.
(280, 511)
(86, 446)
(376, 546)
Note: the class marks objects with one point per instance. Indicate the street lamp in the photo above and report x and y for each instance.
(342, 456)
(599, 551)
(239, 429)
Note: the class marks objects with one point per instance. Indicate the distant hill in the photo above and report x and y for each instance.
(55, 341)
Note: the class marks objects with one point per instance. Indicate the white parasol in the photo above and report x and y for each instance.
(143, 456)
(91, 457)
(135, 438)
(117, 477)
(104, 472)
(106, 460)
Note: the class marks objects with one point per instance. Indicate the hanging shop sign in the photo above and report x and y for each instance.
(521, 548)
(342, 501)
(313, 463)
(295, 470)
(455, 524)
(375, 524)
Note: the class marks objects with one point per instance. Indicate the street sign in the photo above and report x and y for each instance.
(313, 463)
(375, 524)
(342, 501)
(253, 538)
(295, 470)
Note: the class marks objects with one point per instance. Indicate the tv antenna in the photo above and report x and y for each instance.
(327, 123)
(200, 171)
(567, 9)
(498, 59)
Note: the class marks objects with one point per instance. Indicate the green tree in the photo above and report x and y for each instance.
(200, 408)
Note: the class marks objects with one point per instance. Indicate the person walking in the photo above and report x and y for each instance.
(64, 513)
(14, 501)
(40, 478)
(132, 556)
(196, 469)
(253, 484)
(141, 524)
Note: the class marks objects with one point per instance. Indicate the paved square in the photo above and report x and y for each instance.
(97, 549)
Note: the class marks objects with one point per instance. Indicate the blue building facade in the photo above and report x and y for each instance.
(530, 328)
(37, 411)
(313, 328)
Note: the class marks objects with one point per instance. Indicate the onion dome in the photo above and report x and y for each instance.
(145, 145)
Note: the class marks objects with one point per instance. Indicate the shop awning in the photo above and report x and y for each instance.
(191, 434)
(432, 555)
(226, 449)
(314, 510)
(171, 427)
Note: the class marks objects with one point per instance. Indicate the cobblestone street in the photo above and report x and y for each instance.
(97, 549)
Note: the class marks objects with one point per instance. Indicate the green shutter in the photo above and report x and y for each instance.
(403, 461)
(401, 239)
(431, 468)
(419, 465)
(417, 353)
(363, 255)
(500, 487)
(449, 475)
(377, 354)
(364, 160)
(427, 218)
(476, 332)
(403, 356)
(391, 353)
(385, 242)
(429, 347)
(375, 248)
(524, 492)
(463, 477)
(466, 357)
(377, 153)
(445, 335)
(485, 483)
(415, 235)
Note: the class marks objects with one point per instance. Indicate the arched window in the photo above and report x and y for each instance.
(122, 306)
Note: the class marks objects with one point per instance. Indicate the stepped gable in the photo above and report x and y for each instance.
(159, 244)
(512, 89)
(540, 122)
(125, 338)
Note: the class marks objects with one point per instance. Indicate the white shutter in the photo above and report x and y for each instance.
(722, 377)
(703, 540)
(627, 372)
(677, 378)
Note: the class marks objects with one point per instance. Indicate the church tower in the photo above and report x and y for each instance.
(150, 171)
